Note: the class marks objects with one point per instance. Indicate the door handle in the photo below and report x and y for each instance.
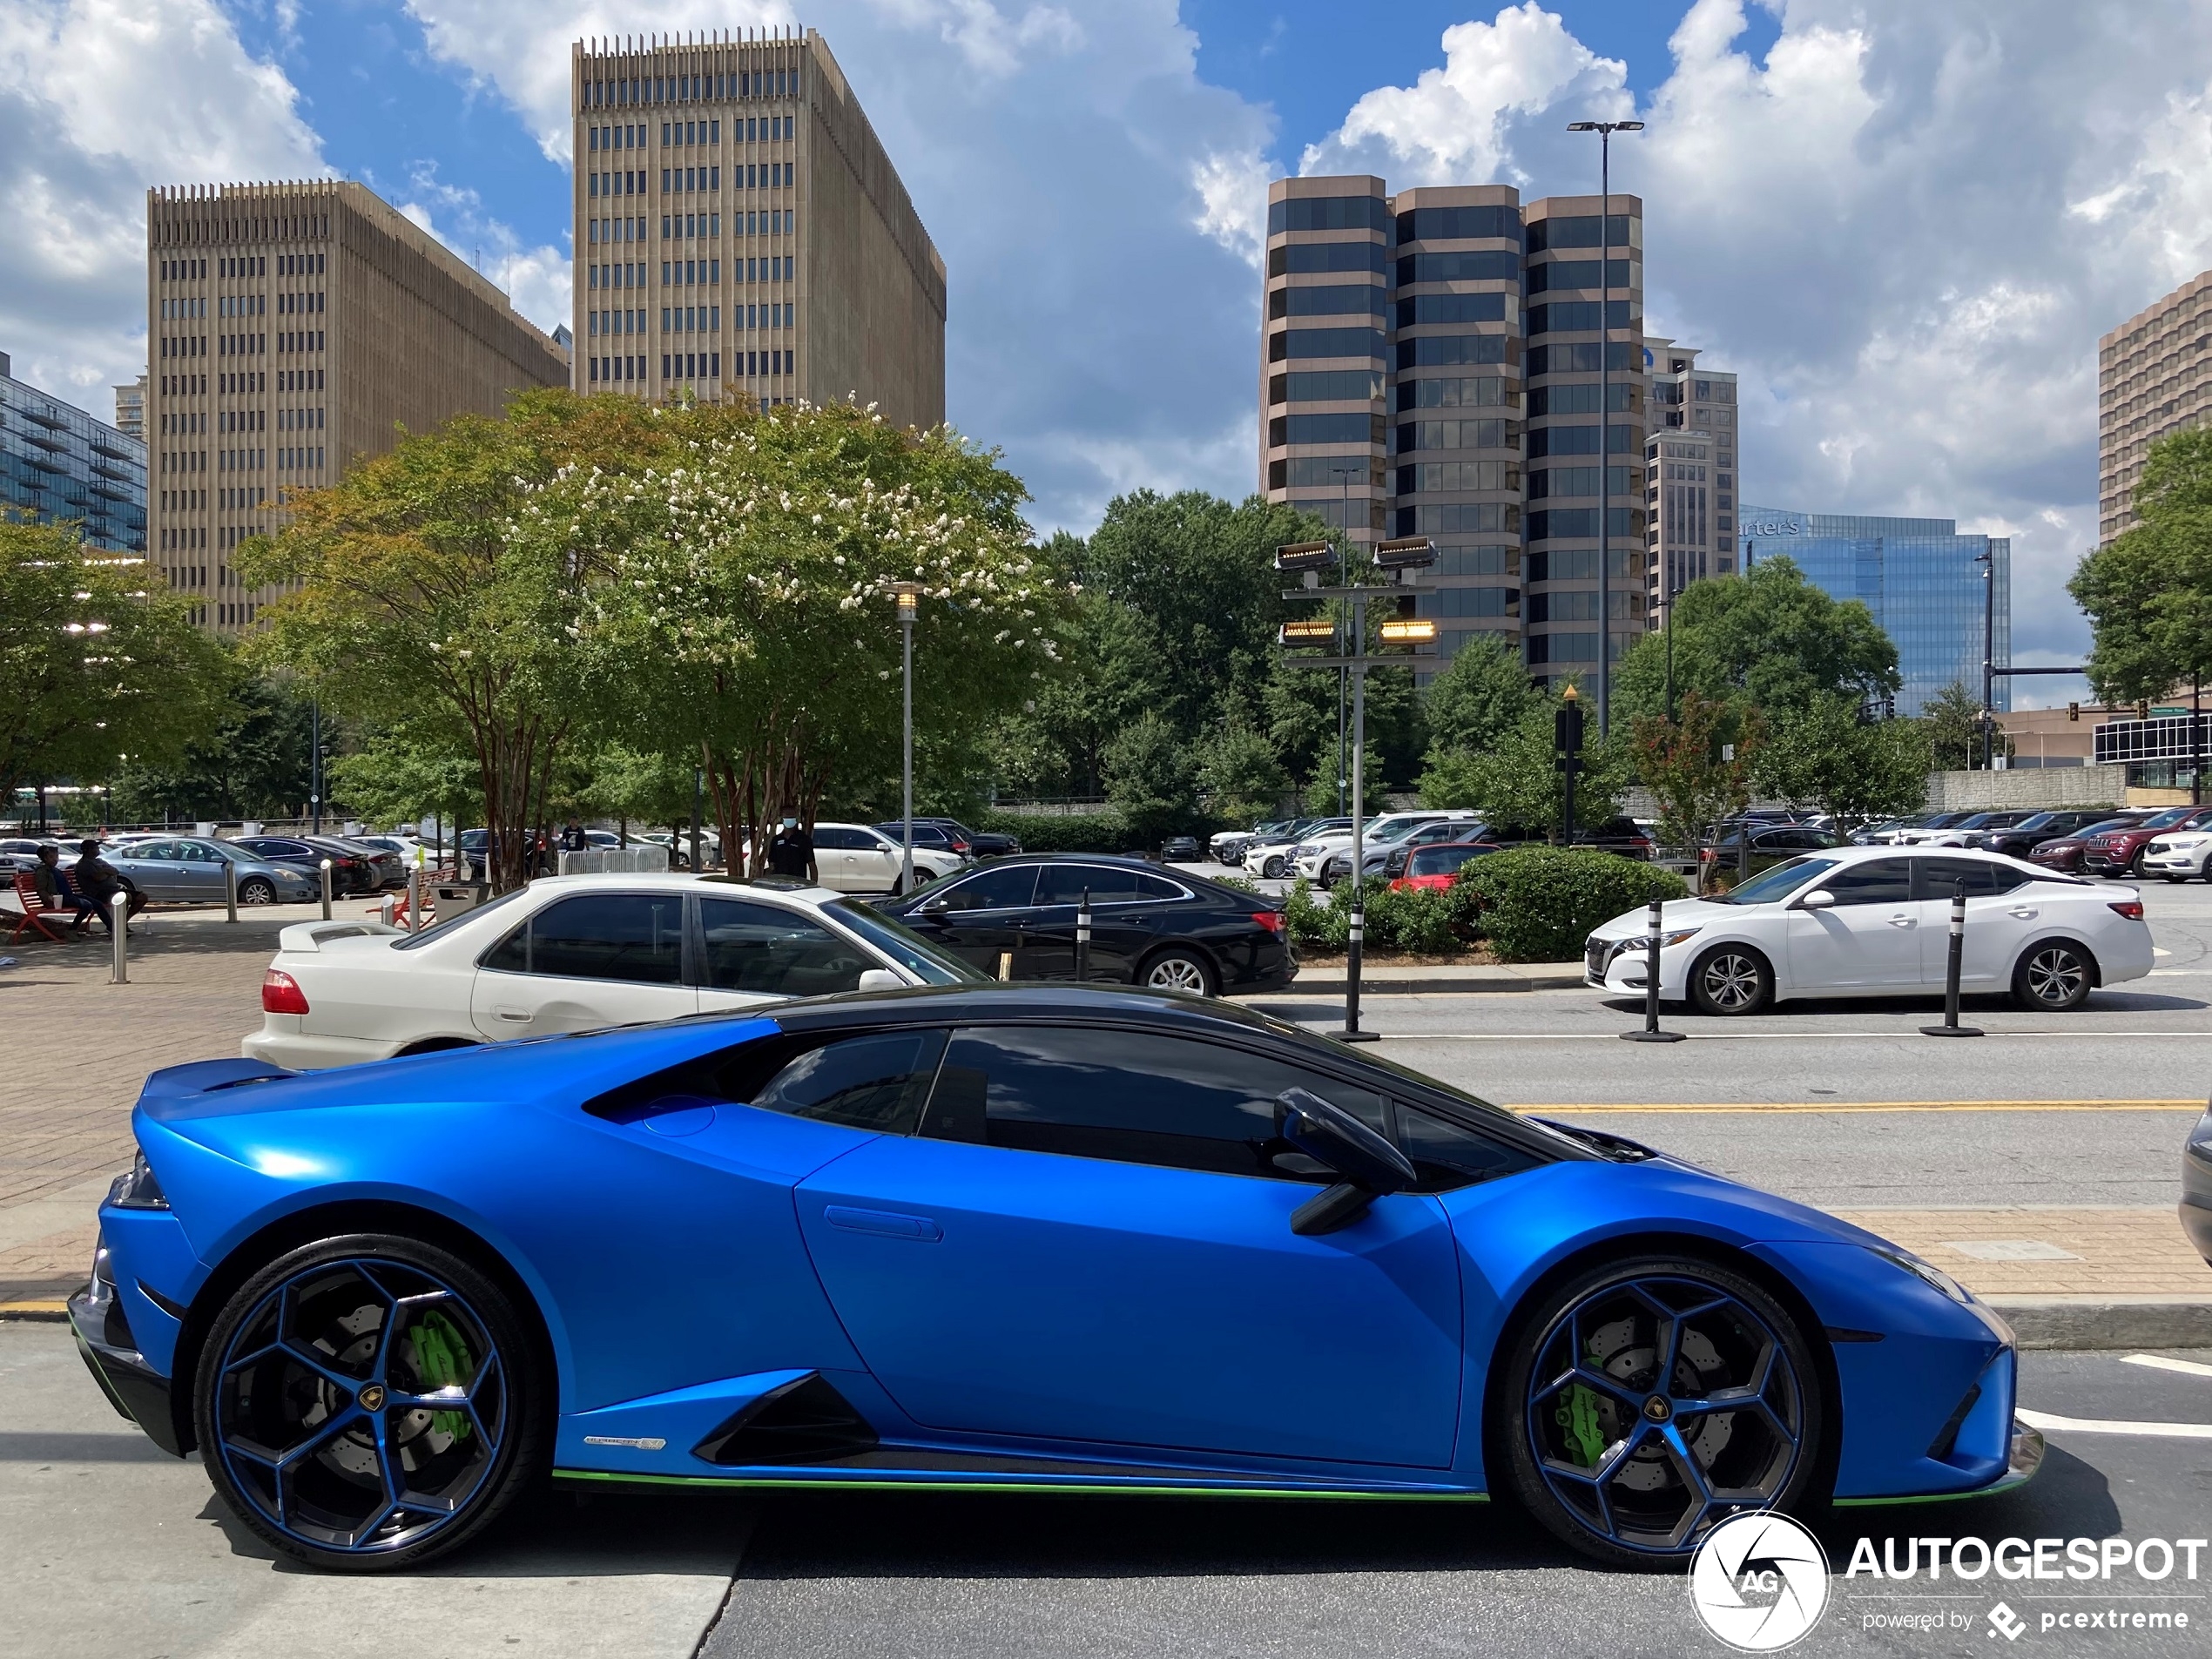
(2026, 913)
(884, 1222)
(520, 1017)
(1905, 922)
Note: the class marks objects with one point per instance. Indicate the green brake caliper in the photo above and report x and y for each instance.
(1577, 1415)
(441, 1360)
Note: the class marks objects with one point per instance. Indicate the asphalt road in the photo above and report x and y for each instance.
(114, 1550)
(2090, 1108)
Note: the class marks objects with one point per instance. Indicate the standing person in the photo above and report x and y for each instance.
(573, 839)
(97, 882)
(791, 852)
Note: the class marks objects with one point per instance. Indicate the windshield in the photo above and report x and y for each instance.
(438, 929)
(2166, 820)
(1779, 883)
(904, 946)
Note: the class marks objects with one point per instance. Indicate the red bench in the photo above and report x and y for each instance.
(41, 918)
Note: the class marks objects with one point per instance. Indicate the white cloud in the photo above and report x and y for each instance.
(98, 99)
(538, 280)
(1232, 201)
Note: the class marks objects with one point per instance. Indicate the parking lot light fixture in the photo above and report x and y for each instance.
(909, 596)
(1408, 630)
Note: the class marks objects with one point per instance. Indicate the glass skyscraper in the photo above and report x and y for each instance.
(58, 463)
(1919, 577)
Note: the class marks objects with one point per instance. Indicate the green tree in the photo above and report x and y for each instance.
(1768, 638)
(1152, 776)
(2148, 591)
(1055, 743)
(1483, 692)
(1244, 780)
(1698, 765)
(406, 772)
(1951, 729)
(253, 759)
(1829, 755)
(1517, 780)
(93, 665)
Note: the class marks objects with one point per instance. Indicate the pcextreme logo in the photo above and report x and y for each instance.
(1759, 1582)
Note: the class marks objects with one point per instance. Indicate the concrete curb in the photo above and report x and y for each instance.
(2059, 1322)
(1441, 980)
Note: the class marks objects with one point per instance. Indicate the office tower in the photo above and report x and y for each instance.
(130, 408)
(295, 327)
(1924, 582)
(58, 462)
(739, 229)
(1431, 364)
(1689, 457)
(2153, 377)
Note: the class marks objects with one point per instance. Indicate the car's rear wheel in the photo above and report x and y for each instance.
(1179, 970)
(2052, 976)
(257, 889)
(1650, 1399)
(368, 1402)
(1730, 980)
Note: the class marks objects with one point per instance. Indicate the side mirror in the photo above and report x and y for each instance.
(1818, 899)
(1368, 1165)
(879, 979)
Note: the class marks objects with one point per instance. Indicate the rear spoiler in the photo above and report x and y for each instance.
(204, 1076)
(309, 935)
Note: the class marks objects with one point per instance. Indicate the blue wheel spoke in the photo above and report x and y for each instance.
(322, 1364)
(1663, 1381)
(388, 1462)
(325, 1432)
(1632, 1398)
(1611, 1463)
(1692, 1476)
(239, 1361)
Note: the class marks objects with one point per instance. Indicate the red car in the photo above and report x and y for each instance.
(2064, 852)
(2120, 851)
(1435, 867)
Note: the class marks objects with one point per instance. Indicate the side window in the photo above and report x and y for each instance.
(2002, 880)
(1127, 1098)
(774, 952)
(1066, 884)
(1878, 882)
(1005, 888)
(634, 937)
(827, 837)
(1154, 886)
(1448, 1156)
(1940, 878)
(875, 1081)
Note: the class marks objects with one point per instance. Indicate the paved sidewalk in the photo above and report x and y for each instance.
(1389, 979)
(88, 1045)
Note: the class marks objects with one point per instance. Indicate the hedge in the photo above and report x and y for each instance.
(1109, 831)
(1416, 921)
(1538, 904)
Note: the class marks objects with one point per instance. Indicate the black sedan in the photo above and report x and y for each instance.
(353, 869)
(1015, 918)
(2018, 840)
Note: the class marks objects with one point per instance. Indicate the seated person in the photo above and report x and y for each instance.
(53, 886)
(97, 882)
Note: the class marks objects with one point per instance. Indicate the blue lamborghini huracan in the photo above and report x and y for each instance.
(1012, 1237)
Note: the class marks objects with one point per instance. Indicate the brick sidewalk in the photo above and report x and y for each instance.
(83, 1048)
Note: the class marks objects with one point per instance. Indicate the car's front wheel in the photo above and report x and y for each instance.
(1730, 980)
(368, 1402)
(2053, 977)
(1648, 1400)
(257, 889)
(1272, 869)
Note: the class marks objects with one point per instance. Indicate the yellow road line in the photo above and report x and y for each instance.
(1881, 1106)
(42, 1308)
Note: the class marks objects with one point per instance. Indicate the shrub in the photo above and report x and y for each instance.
(1415, 921)
(1109, 830)
(1318, 924)
(1538, 904)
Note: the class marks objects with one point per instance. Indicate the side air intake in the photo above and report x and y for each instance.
(806, 1421)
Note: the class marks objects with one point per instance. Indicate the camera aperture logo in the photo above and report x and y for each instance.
(1759, 1582)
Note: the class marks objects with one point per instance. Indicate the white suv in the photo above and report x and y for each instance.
(1314, 854)
(2179, 854)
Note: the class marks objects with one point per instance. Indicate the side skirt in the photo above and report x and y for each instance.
(1036, 1484)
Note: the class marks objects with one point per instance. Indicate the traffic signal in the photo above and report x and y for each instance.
(2142, 708)
(2073, 711)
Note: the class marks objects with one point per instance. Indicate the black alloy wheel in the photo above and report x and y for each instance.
(1730, 980)
(257, 889)
(1648, 1400)
(2052, 976)
(368, 1402)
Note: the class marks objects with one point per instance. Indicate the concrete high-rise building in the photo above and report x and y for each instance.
(1690, 458)
(1935, 593)
(2153, 377)
(739, 229)
(295, 327)
(57, 463)
(130, 408)
(1431, 364)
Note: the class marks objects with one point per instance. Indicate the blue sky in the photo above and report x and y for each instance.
(1903, 225)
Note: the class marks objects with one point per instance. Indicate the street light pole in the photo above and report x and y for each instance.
(1987, 559)
(1605, 130)
(314, 764)
(909, 599)
(1344, 476)
(1668, 628)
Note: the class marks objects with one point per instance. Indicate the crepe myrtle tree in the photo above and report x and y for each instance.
(745, 612)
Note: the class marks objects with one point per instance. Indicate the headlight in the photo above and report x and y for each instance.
(1643, 941)
(139, 1189)
(1933, 1277)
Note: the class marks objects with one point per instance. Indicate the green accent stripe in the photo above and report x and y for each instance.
(953, 1483)
(2009, 1483)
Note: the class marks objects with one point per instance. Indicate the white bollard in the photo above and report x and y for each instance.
(326, 889)
(119, 910)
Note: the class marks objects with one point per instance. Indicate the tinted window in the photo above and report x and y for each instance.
(1940, 877)
(1448, 1156)
(1779, 883)
(829, 835)
(636, 937)
(1067, 883)
(1441, 860)
(1876, 881)
(1127, 1096)
(1005, 888)
(774, 952)
(876, 1082)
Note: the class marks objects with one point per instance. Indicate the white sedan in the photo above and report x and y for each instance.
(1875, 921)
(569, 953)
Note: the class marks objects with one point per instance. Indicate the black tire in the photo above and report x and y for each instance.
(1179, 968)
(482, 1316)
(1782, 1473)
(1732, 980)
(2052, 976)
(257, 889)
